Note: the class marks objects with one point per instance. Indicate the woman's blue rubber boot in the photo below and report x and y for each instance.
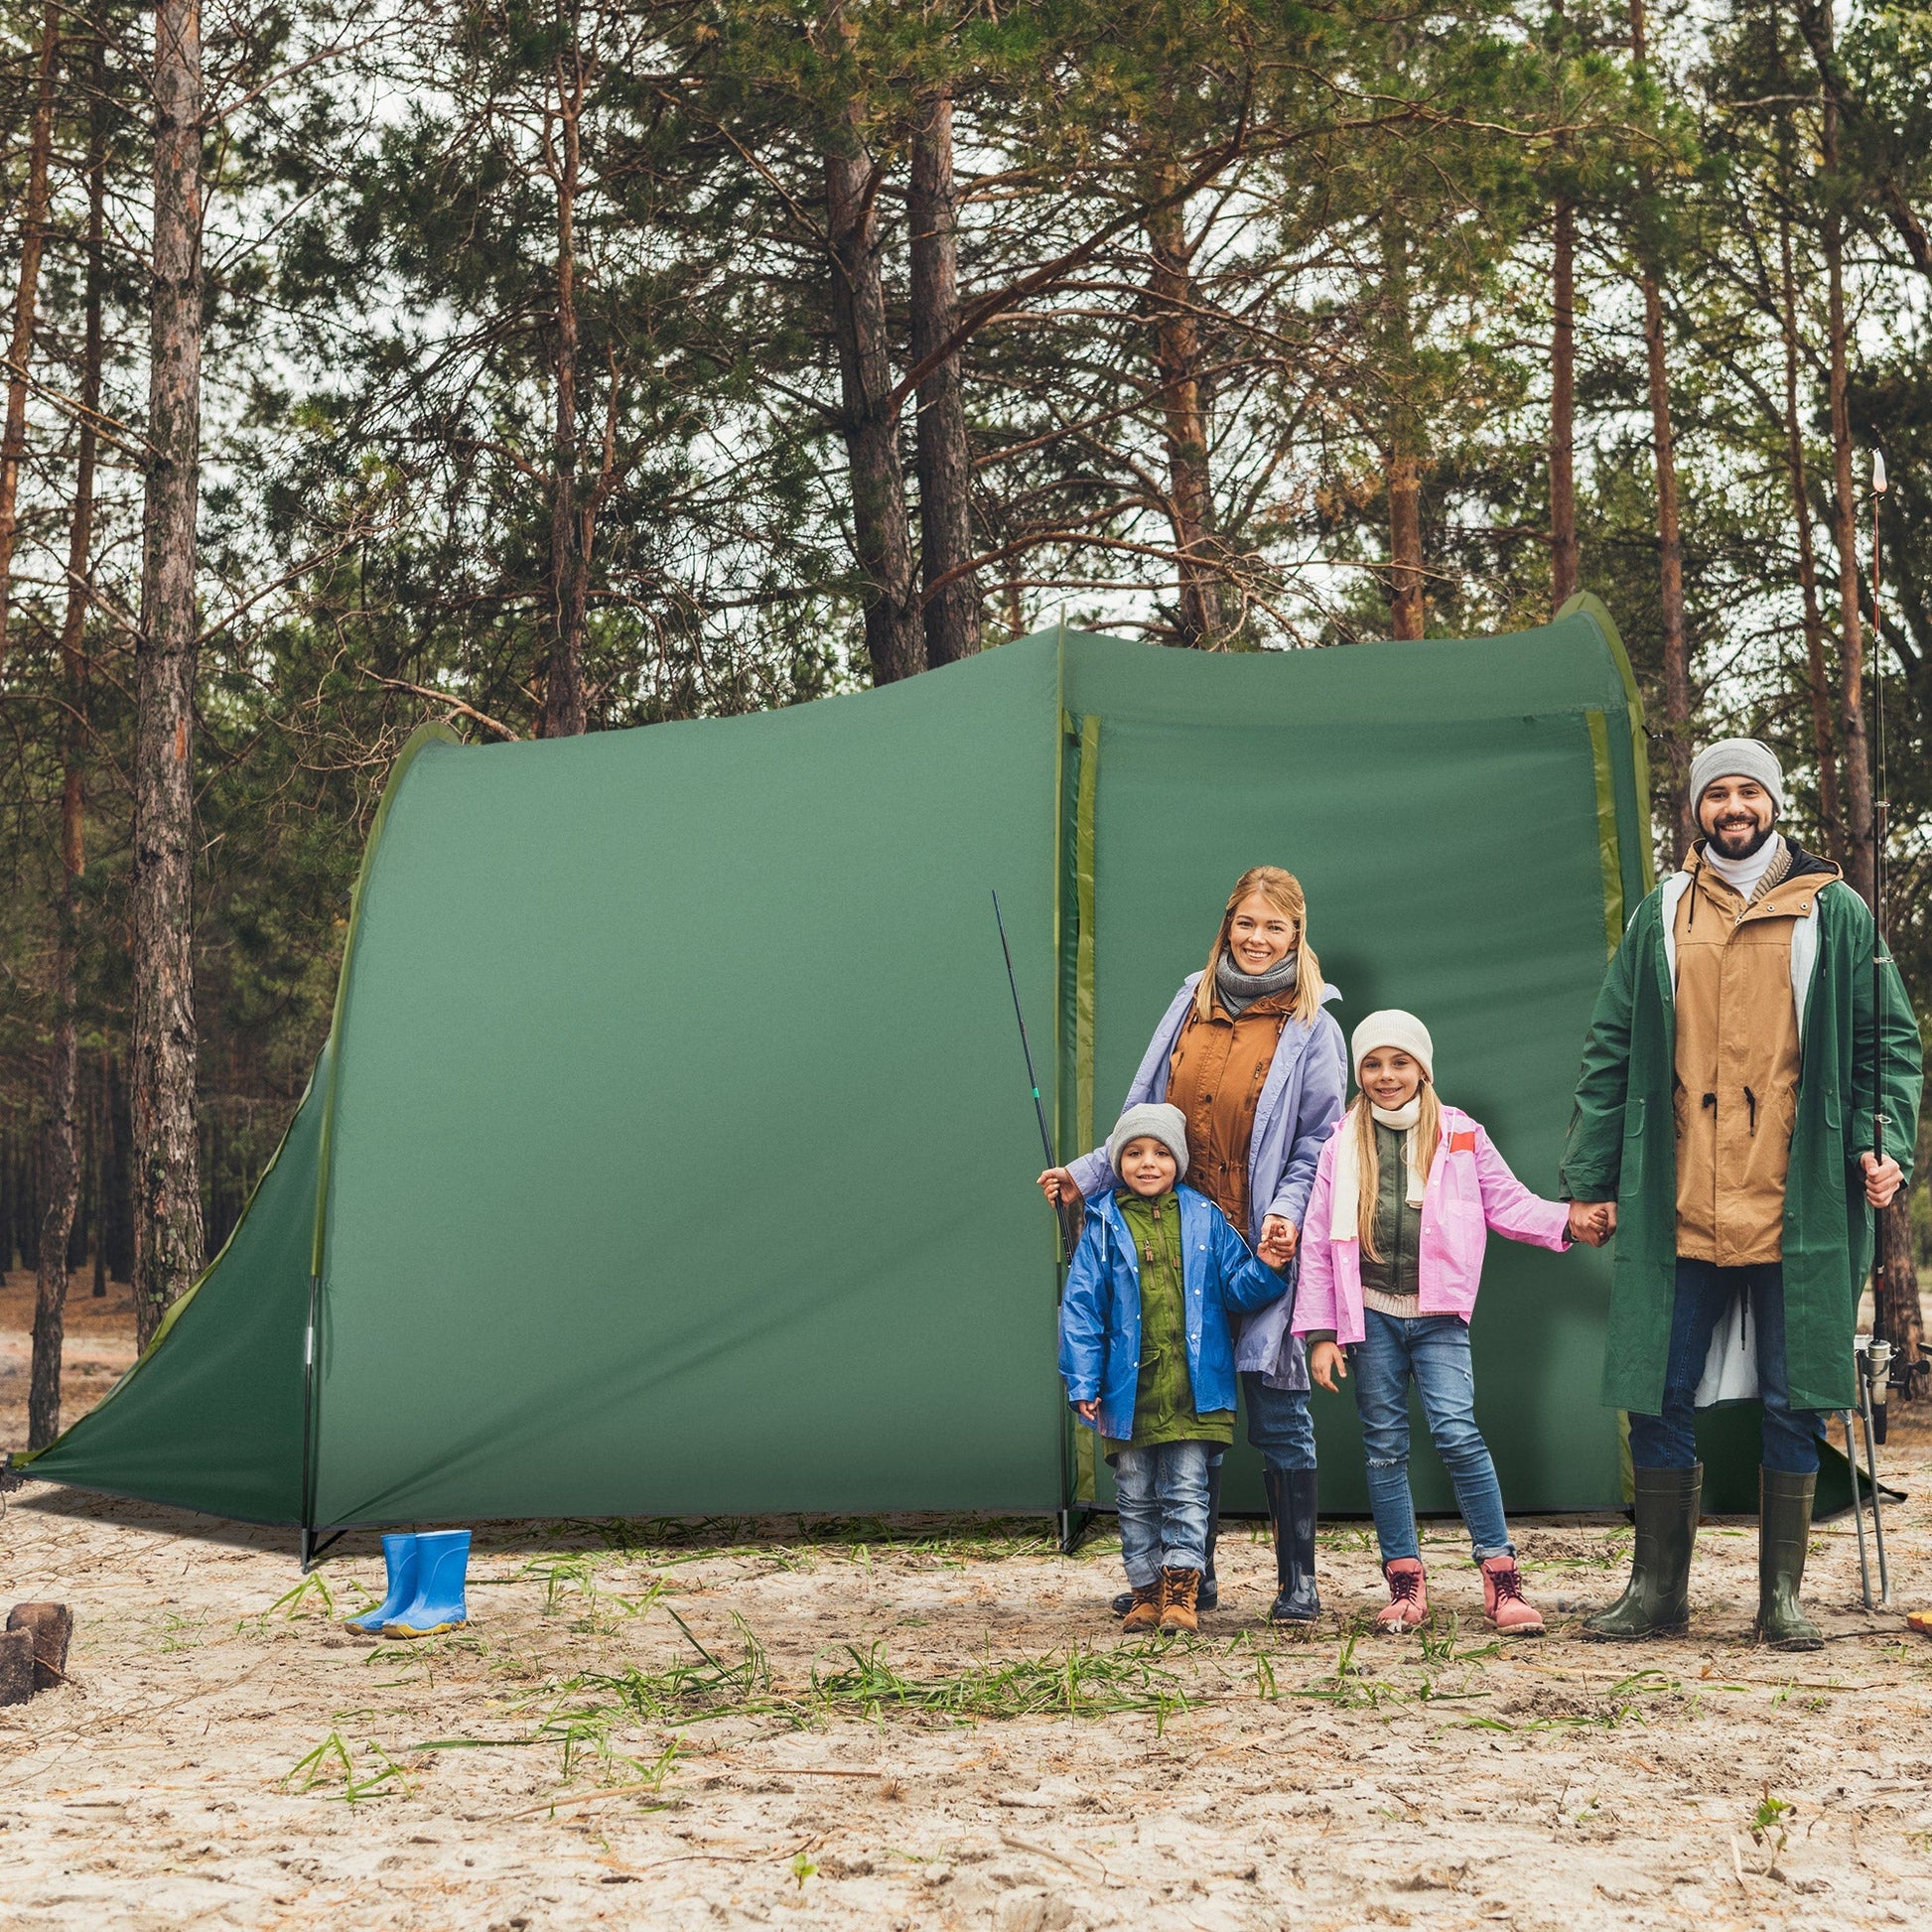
(399, 1557)
(442, 1562)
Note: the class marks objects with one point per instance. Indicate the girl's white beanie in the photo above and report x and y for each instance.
(1393, 1027)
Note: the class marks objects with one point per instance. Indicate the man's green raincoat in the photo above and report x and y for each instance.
(1622, 1143)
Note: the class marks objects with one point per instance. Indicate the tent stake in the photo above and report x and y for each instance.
(1075, 1522)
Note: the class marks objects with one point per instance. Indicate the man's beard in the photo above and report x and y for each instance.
(1758, 835)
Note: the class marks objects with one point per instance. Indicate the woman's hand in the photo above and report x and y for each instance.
(1279, 1239)
(1088, 1412)
(1326, 1362)
(1057, 1184)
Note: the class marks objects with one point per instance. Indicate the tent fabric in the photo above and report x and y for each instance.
(672, 1152)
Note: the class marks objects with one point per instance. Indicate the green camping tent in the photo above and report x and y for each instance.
(671, 1151)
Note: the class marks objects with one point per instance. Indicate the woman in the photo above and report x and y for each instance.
(1249, 1056)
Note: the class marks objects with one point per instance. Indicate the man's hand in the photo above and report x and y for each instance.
(1599, 1223)
(1326, 1362)
(1881, 1178)
(1279, 1239)
(1057, 1183)
(1592, 1222)
(1088, 1412)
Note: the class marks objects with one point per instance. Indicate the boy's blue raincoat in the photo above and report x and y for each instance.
(1100, 1312)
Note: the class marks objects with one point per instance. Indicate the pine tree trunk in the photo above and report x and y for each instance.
(881, 533)
(945, 457)
(62, 1166)
(563, 705)
(1184, 417)
(19, 354)
(1897, 1313)
(1402, 456)
(1824, 738)
(1670, 570)
(1565, 567)
(1845, 530)
(1679, 808)
(166, 1178)
(60, 1184)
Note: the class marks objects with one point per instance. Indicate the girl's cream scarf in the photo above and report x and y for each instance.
(1344, 1224)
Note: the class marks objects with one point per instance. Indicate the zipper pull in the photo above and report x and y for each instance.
(1750, 1101)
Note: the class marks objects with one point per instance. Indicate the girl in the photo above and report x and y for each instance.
(1404, 1196)
(1249, 1054)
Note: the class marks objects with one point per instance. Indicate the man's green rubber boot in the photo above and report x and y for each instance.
(1656, 1601)
(1783, 1532)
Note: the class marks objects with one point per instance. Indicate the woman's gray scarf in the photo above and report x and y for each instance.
(1239, 990)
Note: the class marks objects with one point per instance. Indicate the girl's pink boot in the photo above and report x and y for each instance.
(1408, 1603)
(1503, 1599)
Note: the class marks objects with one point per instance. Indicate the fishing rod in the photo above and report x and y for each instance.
(1069, 1215)
(1872, 1355)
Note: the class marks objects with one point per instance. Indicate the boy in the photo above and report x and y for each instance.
(1147, 1359)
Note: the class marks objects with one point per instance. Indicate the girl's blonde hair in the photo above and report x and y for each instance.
(1282, 891)
(1368, 1161)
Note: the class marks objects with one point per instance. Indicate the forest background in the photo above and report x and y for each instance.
(572, 367)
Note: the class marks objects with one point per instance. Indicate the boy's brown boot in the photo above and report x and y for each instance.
(1145, 1606)
(1180, 1593)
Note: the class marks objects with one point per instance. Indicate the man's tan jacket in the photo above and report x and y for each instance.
(1737, 1061)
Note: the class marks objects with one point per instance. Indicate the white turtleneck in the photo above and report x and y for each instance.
(1742, 874)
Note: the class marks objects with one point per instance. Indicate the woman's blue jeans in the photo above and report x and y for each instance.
(1705, 1293)
(1279, 1423)
(1161, 1496)
(1432, 1350)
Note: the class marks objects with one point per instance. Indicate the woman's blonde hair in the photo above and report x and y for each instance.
(1282, 891)
(1368, 1161)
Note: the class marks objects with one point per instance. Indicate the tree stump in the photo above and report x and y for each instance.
(50, 1627)
(16, 1667)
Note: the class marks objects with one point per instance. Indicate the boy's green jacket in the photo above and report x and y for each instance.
(1622, 1143)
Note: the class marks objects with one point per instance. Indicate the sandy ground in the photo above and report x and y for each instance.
(935, 1724)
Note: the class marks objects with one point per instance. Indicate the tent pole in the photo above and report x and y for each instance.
(308, 1547)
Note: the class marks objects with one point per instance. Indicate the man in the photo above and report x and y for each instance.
(1724, 1112)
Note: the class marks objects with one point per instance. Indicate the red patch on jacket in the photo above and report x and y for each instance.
(1464, 1143)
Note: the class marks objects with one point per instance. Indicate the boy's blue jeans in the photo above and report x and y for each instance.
(1161, 1494)
(1434, 1351)
(1705, 1293)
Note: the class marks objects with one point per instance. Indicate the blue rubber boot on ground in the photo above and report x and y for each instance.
(399, 1557)
(442, 1562)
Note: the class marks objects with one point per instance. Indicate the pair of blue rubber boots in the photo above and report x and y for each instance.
(426, 1578)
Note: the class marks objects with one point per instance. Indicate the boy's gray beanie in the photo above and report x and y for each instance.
(1156, 1120)
(1737, 758)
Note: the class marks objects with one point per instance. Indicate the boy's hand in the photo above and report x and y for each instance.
(1279, 1240)
(1057, 1183)
(1088, 1412)
(1326, 1362)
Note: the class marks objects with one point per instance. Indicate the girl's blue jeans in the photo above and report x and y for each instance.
(1161, 1494)
(1432, 1350)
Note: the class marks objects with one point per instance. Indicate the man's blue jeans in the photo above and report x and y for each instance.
(1432, 1350)
(1705, 1293)
(1161, 1494)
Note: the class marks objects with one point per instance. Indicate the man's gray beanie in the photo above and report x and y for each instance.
(1737, 758)
(1156, 1120)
